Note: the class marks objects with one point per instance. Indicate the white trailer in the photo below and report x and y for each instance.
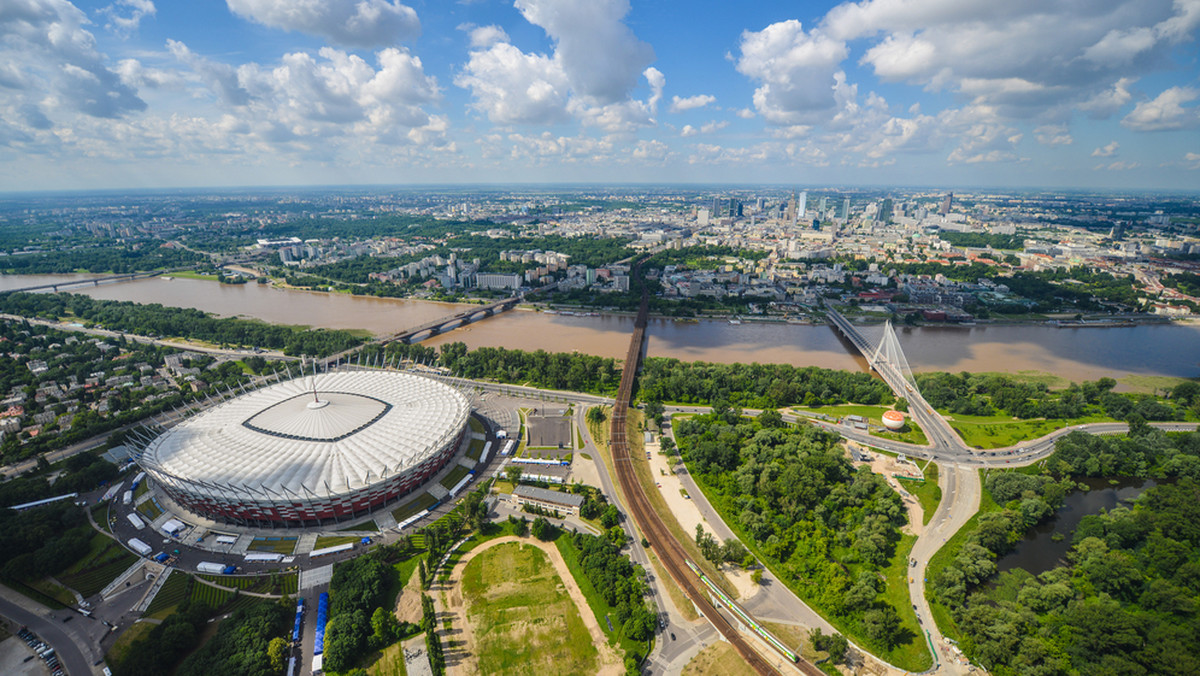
(214, 568)
(139, 547)
(136, 520)
(261, 557)
(226, 539)
(127, 498)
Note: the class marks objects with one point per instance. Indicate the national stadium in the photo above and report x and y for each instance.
(312, 450)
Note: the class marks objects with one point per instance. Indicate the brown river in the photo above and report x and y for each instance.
(1072, 353)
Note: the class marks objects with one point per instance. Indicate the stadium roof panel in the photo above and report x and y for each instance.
(359, 428)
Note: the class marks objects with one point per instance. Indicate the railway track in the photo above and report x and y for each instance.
(651, 525)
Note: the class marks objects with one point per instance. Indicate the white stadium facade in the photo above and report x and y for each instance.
(311, 450)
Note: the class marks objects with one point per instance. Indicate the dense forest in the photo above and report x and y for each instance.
(359, 587)
(240, 645)
(43, 541)
(618, 581)
(83, 472)
(983, 239)
(551, 370)
(157, 320)
(990, 394)
(757, 385)
(115, 259)
(160, 650)
(826, 529)
(1124, 603)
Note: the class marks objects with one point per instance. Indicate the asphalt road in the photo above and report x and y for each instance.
(50, 631)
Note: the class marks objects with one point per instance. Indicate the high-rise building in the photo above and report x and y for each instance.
(790, 214)
(822, 206)
(885, 210)
(846, 209)
(801, 206)
(946, 204)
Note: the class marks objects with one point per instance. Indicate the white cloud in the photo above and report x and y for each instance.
(745, 113)
(1106, 150)
(483, 37)
(126, 23)
(599, 54)
(590, 76)
(706, 128)
(353, 23)
(1117, 166)
(679, 105)
(795, 69)
(657, 81)
(512, 87)
(1036, 60)
(52, 66)
(307, 100)
(1191, 161)
(1053, 135)
(1165, 112)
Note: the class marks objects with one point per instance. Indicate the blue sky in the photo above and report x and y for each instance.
(138, 93)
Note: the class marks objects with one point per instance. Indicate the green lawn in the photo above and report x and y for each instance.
(100, 516)
(55, 591)
(524, 621)
(929, 494)
(941, 614)
(173, 591)
(997, 431)
(369, 524)
(422, 501)
(454, 476)
(335, 540)
(280, 545)
(150, 509)
(105, 560)
(1149, 384)
(475, 450)
(476, 425)
(390, 662)
(141, 489)
(131, 635)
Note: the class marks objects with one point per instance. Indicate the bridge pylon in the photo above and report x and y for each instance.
(889, 352)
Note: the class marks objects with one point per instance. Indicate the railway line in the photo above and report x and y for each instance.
(669, 551)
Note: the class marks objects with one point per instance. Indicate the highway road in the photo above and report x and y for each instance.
(50, 630)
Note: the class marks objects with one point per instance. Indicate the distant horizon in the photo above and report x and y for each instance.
(574, 186)
(137, 94)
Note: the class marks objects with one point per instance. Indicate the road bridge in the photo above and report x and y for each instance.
(472, 314)
(97, 281)
(887, 359)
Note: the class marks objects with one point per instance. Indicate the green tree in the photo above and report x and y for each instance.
(277, 652)
(595, 415)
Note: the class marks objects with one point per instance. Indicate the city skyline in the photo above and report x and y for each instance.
(131, 94)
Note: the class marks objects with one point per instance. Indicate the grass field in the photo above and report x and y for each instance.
(929, 494)
(997, 431)
(284, 583)
(173, 591)
(335, 540)
(280, 545)
(141, 489)
(390, 662)
(1148, 384)
(150, 509)
(55, 591)
(105, 560)
(422, 501)
(453, 477)
(523, 620)
(941, 614)
(369, 524)
(476, 425)
(100, 515)
(475, 449)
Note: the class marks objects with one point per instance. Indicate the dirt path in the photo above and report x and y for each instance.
(460, 640)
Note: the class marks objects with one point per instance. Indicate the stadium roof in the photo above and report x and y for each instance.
(358, 428)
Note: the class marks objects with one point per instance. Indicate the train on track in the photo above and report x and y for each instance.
(746, 619)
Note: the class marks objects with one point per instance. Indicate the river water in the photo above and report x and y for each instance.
(1039, 552)
(1076, 354)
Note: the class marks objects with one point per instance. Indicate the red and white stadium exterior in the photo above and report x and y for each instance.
(311, 450)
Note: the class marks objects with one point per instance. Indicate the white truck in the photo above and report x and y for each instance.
(136, 520)
(139, 547)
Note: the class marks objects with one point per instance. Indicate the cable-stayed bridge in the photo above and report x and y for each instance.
(885, 357)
